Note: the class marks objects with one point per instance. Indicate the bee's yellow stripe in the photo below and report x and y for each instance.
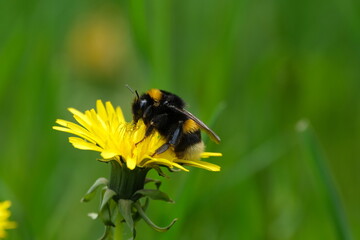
(155, 94)
(190, 126)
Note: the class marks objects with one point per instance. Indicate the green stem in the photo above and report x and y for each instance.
(125, 182)
(121, 231)
(118, 229)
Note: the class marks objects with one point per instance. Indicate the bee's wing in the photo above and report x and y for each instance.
(202, 125)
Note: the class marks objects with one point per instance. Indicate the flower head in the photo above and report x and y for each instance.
(4, 215)
(106, 131)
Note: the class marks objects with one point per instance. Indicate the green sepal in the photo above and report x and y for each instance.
(174, 169)
(92, 190)
(106, 216)
(125, 207)
(157, 182)
(160, 172)
(149, 222)
(137, 216)
(153, 194)
(107, 235)
(106, 197)
(93, 215)
(107, 211)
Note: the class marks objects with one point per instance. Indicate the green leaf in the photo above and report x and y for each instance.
(92, 190)
(125, 206)
(153, 194)
(157, 182)
(149, 222)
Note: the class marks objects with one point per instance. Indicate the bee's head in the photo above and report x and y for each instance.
(139, 106)
(143, 104)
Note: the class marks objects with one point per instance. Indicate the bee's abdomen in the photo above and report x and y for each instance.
(190, 146)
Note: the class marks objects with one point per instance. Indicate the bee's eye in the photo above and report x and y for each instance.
(143, 103)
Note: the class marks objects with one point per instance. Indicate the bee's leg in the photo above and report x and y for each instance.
(161, 149)
(147, 133)
(154, 123)
(175, 138)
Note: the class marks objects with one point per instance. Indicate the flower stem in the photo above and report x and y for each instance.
(125, 182)
(118, 230)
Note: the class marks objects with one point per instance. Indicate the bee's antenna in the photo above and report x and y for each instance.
(132, 91)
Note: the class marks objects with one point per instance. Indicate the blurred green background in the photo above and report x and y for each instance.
(251, 69)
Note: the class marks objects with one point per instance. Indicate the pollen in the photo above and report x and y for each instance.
(190, 126)
(155, 94)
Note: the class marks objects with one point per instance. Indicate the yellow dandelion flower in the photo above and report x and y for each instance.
(4, 216)
(105, 130)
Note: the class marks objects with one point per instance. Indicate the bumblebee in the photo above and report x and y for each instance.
(164, 112)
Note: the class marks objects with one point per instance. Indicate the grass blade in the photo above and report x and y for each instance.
(319, 161)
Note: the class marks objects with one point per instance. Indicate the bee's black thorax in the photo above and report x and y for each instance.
(172, 99)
